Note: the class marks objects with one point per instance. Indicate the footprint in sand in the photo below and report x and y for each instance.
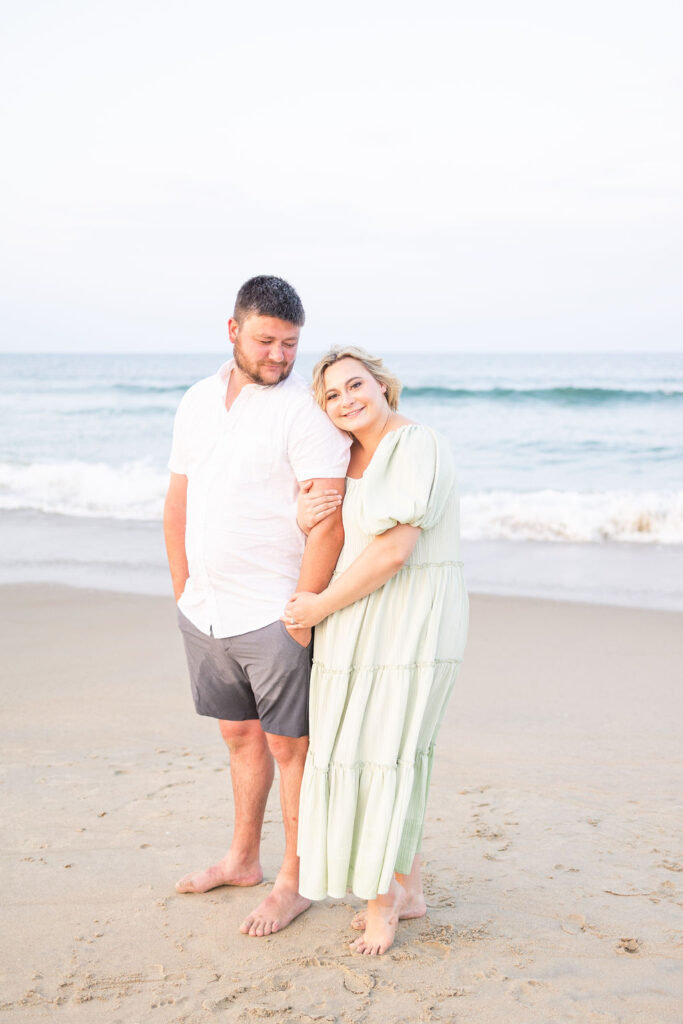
(526, 990)
(359, 984)
(438, 937)
(574, 924)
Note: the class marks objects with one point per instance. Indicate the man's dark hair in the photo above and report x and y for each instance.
(269, 296)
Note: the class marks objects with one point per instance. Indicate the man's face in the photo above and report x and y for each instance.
(264, 347)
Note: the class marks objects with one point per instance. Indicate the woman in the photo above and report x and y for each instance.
(391, 630)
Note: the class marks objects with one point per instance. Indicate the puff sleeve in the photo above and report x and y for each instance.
(410, 479)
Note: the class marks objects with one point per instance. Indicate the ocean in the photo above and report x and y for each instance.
(570, 467)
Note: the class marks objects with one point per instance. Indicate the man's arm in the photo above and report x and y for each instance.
(321, 553)
(175, 508)
(376, 564)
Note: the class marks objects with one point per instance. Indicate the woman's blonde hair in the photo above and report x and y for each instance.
(373, 365)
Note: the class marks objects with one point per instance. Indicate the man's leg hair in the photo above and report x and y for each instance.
(251, 772)
(284, 903)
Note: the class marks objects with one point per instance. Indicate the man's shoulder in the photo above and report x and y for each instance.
(293, 395)
(298, 400)
(309, 427)
(295, 386)
(200, 390)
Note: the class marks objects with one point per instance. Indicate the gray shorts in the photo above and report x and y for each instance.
(263, 674)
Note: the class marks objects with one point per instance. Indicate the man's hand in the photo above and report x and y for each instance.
(302, 634)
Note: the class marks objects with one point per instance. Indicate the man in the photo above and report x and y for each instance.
(243, 440)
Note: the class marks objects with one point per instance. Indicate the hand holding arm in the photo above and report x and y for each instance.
(381, 560)
(322, 549)
(312, 508)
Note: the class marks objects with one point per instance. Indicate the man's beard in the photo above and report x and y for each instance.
(252, 372)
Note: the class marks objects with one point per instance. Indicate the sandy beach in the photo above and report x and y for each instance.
(553, 848)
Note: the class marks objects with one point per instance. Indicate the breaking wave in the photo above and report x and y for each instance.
(135, 490)
(652, 517)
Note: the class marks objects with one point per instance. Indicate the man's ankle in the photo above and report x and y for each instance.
(242, 857)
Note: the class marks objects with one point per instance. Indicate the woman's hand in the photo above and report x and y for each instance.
(311, 510)
(303, 611)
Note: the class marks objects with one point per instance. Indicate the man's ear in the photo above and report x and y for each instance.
(233, 329)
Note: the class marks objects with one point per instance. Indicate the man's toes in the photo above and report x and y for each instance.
(245, 927)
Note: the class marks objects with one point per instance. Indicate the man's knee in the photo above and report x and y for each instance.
(286, 749)
(242, 734)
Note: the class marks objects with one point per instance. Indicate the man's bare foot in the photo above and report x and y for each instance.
(381, 922)
(411, 906)
(229, 871)
(278, 910)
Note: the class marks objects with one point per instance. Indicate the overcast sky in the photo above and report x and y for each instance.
(458, 176)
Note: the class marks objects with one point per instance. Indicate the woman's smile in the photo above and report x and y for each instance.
(352, 393)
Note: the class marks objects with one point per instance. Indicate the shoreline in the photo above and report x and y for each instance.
(127, 556)
(551, 849)
(53, 587)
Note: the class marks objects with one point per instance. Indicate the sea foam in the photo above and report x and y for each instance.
(74, 488)
(649, 517)
(135, 490)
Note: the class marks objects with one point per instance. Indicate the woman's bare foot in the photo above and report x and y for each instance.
(410, 907)
(276, 911)
(413, 900)
(229, 871)
(381, 922)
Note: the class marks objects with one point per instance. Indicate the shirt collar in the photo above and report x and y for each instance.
(224, 372)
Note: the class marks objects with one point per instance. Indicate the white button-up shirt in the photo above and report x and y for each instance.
(243, 544)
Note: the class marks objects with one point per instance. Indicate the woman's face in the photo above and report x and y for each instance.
(354, 400)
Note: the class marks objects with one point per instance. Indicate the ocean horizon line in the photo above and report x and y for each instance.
(559, 353)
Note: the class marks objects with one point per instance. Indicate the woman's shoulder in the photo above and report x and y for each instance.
(410, 480)
(409, 440)
(416, 454)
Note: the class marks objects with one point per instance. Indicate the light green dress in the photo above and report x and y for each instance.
(383, 669)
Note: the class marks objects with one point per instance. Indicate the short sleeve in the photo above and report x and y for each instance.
(179, 458)
(315, 447)
(410, 479)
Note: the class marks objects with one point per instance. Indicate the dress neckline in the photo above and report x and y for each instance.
(402, 426)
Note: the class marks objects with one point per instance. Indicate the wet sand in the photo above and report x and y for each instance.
(553, 848)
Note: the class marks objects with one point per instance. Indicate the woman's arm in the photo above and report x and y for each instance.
(380, 560)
